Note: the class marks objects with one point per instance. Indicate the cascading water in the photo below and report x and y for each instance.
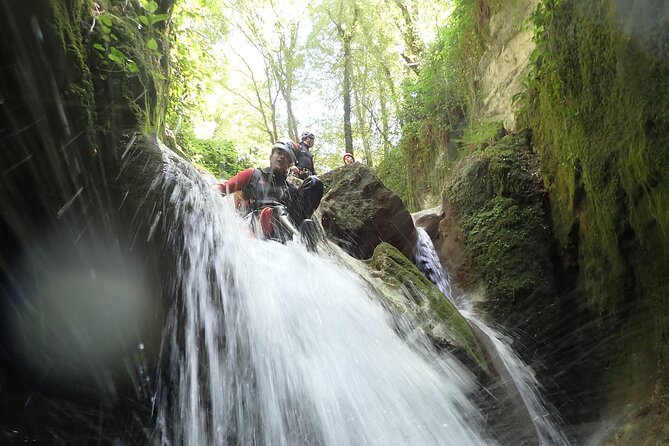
(428, 262)
(271, 344)
(520, 375)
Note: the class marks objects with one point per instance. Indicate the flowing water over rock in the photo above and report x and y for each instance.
(271, 344)
(428, 262)
(517, 376)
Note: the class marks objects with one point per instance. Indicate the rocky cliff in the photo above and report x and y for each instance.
(507, 38)
(595, 99)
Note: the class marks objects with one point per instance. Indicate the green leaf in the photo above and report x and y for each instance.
(159, 76)
(116, 56)
(99, 47)
(105, 19)
(116, 52)
(149, 6)
(133, 68)
(158, 18)
(152, 44)
(144, 19)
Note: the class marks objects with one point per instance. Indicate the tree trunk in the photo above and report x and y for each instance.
(346, 87)
(361, 118)
(292, 121)
(385, 125)
(411, 37)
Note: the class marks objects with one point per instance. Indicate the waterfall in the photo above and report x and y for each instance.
(428, 262)
(271, 344)
(520, 375)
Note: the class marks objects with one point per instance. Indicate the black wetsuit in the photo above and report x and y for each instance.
(305, 161)
(263, 188)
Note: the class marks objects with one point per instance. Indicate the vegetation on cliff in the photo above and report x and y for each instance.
(501, 211)
(435, 108)
(598, 103)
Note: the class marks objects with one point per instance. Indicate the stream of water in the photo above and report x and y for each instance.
(274, 345)
(519, 375)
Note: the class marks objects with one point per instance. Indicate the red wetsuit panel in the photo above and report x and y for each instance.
(266, 221)
(236, 183)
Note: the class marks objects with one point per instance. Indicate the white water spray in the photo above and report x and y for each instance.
(520, 374)
(271, 344)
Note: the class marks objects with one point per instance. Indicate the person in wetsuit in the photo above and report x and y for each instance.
(270, 197)
(304, 160)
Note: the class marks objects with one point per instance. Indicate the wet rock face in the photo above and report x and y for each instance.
(80, 312)
(359, 212)
(429, 220)
(417, 296)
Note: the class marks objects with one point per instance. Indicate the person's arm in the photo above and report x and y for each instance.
(313, 168)
(236, 183)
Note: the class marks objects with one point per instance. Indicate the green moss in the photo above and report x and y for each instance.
(67, 22)
(399, 272)
(599, 106)
(509, 247)
(483, 132)
(600, 112)
(119, 66)
(507, 240)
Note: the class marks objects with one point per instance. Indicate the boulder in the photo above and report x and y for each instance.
(416, 295)
(358, 212)
(495, 205)
(429, 219)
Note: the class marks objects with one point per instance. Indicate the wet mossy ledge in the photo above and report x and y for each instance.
(117, 56)
(436, 314)
(598, 103)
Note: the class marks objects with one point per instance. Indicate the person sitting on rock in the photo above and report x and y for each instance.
(348, 158)
(304, 160)
(271, 200)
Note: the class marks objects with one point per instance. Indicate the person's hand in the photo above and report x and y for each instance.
(221, 188)
(295, 170)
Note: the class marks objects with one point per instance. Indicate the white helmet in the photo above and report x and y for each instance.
(288, 146)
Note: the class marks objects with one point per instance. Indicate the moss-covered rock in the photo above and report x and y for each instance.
(359, 212)
(496, 196)
(599, 107)
(437, 315)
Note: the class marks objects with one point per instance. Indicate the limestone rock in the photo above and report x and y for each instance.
(506, 61)
(429, 219)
